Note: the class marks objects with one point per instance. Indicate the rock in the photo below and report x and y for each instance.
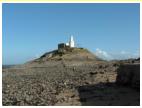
(129, 74)
(50, 83)
(93, 73)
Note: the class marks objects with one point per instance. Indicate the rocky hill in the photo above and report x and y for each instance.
(77, 54)
(72, 77)
(73, 56)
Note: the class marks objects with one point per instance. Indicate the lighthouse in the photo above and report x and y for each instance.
(71, 42)
(62, 47)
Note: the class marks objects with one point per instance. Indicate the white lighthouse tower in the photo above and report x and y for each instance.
(71, 42)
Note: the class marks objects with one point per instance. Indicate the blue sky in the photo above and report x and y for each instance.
(108, 30)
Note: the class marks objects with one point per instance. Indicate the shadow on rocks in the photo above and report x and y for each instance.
(129, 75)
(108, 94)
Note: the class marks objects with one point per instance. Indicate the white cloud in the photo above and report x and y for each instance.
(103, 54)
(117, 56)
(123, 52)
(37, 56)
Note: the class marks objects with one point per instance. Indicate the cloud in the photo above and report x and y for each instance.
(116, 56)
(103, 54)
(37, 56)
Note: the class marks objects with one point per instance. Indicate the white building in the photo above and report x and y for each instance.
(71, 42)
(63, 47)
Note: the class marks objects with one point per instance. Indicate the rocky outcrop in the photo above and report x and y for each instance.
(129, 74)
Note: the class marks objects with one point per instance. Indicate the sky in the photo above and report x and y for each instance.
(111, 31)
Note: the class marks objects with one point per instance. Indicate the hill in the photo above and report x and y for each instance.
(71, 54)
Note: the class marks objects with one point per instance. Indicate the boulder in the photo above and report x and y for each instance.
(129, 74)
